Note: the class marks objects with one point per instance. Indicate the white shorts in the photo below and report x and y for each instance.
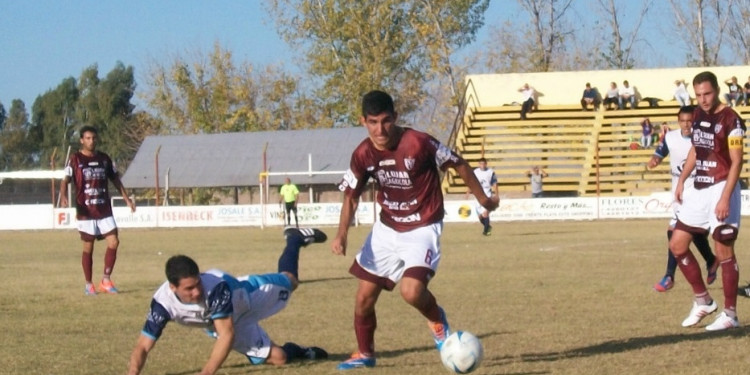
(673, 220)
(697, 209)
(96, 228)
(267, 295)
(387, 253)
(479, 209)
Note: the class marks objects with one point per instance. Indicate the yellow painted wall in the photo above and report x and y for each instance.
(491, 90)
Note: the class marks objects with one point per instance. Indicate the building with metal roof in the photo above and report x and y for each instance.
(237, 159)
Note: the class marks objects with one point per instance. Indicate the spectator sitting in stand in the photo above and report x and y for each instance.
(590, 96)
(613, 96)
(747, 91)
(735, 94)
(647, 132)
(681, 93)
(627, 94)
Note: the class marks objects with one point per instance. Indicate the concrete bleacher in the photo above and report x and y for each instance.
(585, 153)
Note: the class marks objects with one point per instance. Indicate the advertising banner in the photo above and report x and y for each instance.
(658, 205)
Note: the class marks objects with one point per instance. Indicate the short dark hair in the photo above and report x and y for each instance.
(376, 102)
(87, 129)
(686, 109)
(707, 77)
(482, 160)
(179, 267)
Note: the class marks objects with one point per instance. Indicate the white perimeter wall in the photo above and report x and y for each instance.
(19, 217)
(567, 87)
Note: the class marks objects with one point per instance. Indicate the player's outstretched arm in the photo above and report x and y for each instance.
(687, 169)
(64, 191)
(223, 345)
(348, 208)
(736, 152)
(653, 162)
(140, 353)
(121, 188)
(467, 174)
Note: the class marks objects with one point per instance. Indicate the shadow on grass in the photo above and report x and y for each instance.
(311, 281)
(538, 233)
(636, 343)
(334, 358)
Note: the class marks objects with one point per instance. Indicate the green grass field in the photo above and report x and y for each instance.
(544, 297)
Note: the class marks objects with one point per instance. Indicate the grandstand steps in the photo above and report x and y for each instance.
(585, 153)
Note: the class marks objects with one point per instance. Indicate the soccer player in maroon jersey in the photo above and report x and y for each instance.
(91, 170)
(404, 244)
(714, 206)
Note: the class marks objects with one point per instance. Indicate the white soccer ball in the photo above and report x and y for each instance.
(461, 352)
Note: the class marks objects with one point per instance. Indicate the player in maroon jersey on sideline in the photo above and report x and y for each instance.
(91, 170)
(714, 205)
(404, 244)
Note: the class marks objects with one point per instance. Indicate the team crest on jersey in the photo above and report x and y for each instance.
(409, 163)
(717, 129)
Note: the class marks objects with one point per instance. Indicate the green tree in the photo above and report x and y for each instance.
(17, 151)
(210, 93)
(3, 115)
(115, 111)
(352, 48)
(53, 119)
(203, 94)
(90, 100)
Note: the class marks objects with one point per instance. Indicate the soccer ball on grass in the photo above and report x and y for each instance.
(461, 352)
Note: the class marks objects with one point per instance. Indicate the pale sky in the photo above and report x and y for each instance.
(43, 42)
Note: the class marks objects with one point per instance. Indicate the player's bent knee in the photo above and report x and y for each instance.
(277, 356)
(410, 295)
(292, 280)
(421, 274)
(725, 234)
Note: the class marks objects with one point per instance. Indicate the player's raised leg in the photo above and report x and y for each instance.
(296, 239)
(414, 291)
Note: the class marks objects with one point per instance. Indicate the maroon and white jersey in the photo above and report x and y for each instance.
(711, 139)
(408, 179)
(91, 175)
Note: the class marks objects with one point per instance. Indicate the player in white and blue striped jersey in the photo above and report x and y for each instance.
(488, 180)
(229, 309)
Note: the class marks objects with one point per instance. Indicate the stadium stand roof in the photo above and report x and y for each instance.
(236, 159)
